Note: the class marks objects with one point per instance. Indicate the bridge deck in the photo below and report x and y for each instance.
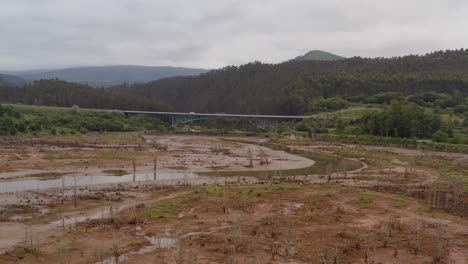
(217, 115)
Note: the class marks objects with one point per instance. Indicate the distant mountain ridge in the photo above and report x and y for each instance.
(11, 80)
(110, 75)
(319, 56)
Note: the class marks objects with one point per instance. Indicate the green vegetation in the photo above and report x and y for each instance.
(403, 120)
(248, 190)
(135, 244)
(221, 125)
(423, 210)
(400, 203)
(101, 138)
(304, 87)
(365, 198)
(319, 55)
(66, 94)
(401, 123)
(9, 124)
(39, 121)
(328, 185)
(162, 210)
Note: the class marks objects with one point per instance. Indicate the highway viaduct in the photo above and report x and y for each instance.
(180, 118)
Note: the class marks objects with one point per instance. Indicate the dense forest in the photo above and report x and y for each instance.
(295, 87)
(61, 93)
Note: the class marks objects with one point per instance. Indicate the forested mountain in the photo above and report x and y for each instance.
(319, 55)
(293, 86)
(67, 94)
(110, 75)
(10, 80)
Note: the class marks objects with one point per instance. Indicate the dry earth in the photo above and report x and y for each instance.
(386, 212)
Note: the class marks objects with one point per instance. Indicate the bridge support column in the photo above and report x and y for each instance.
(173, 121)
(276, 124)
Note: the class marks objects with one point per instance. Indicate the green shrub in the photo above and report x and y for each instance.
(440, 136)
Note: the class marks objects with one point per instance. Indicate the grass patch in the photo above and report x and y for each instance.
(134, 244)
(400, 204)
(352, 112)
(423, 210)
(382, 178)
(378, 159)
(286, 186)
(365, 193)
(209, 189)
(115, 138)
(402, 201)
(328, 185)
(365, 198)
(248, 190)
(163, 210)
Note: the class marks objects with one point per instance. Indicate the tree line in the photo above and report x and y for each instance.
(56, 92)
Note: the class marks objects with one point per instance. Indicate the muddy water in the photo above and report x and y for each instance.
(156, 243)
(324, 164)
(69, 181)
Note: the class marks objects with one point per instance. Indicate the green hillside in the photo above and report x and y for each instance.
(299, 87)
(319, 55)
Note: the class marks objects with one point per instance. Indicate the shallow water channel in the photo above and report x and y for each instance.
(69, 181)
(156, 243)
(324, 164)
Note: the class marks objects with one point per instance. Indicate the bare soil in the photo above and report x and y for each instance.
(397, 209)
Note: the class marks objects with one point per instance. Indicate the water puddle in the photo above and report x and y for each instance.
(73, 220)
(156, 243)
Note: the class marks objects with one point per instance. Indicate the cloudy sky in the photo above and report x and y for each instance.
(214, 33)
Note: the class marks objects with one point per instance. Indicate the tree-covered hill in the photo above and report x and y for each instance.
(319, 55)
(67, 94)
(104, 76)
(11, 80)
(293, 87)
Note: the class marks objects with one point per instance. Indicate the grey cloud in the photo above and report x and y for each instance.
(215, 33)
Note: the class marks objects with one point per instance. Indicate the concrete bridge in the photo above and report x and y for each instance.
(180, 118)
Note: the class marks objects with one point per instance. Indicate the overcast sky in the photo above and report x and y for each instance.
(214, 33)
